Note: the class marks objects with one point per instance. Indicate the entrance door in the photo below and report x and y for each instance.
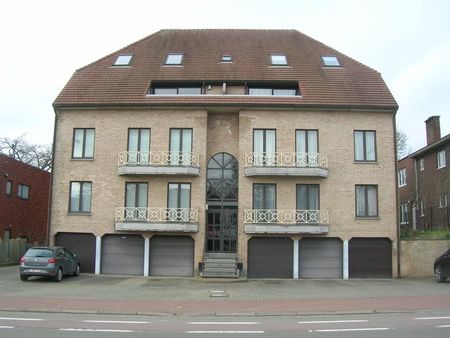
(221, 230)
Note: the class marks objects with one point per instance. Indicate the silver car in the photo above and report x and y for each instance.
(54, 262)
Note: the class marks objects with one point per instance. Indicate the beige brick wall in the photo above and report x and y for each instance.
(417, 257)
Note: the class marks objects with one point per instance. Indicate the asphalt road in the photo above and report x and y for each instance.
(420, 324)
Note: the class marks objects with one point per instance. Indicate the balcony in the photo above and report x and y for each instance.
(158, 163)
(156, 219)
(286, 164)
(273, 221)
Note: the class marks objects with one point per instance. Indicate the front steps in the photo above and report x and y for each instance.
(220, 265)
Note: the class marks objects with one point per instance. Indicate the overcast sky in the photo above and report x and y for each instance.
(43, 42)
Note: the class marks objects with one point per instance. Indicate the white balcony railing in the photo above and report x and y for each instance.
(156, 215)
(300, 160)
(158, 158)
(256, 216)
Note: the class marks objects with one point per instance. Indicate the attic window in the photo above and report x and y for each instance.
(123, 60)
(174, 59)
(226, 58)
(273, 90)
(330, 61)
(278, 59)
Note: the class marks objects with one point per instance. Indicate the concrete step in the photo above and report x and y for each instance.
(217, 274)
(220, 260)
(220, 269)
(220, 255)
(219, 265)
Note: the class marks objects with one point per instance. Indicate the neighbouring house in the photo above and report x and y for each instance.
(24, 200)
(424, 183)
(262, 153)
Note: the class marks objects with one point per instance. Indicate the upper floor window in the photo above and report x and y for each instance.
(366, 200)
(365, 145)
(402, 177)
(264, 200)
(421, 164)
(441, 163)
(308, 197)
(123, 60)
(9, 186)
(403, 213)
(83, 143)
(330, 61)
(180, 146)
(443, 201)
(306, 141)
(174, 59)
(276, 90)
(226, 58)
(278, 60)
(264, 147)
(23, 191)
(80, 196)
(174, 89)
(138, 145)
(179, 201)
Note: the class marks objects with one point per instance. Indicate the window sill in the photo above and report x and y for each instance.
(375, 218)
(79, 214)
(440, 168)
(365, 162)
(81, 158)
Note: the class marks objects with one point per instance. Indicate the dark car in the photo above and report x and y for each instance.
(53, 262)
(442, 267)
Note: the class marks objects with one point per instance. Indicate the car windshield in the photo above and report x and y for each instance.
(39, 253)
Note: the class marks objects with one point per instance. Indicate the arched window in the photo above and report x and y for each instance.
(222, 182)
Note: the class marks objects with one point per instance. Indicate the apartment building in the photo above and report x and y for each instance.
(424, 183)
(260, 153)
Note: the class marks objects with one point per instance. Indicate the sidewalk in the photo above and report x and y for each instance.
(193, 296)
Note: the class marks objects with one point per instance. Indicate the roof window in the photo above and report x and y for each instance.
(226, 58)
(278, 59)
(174, 59)
(123, 60)
(330, 61)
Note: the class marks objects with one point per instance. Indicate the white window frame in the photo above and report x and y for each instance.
(440, 159)
(278, 59)
(422, 164)
(443, 201)
(421, 209)
(402, 177)
(23, 191)
(174, 59)
(404, 214)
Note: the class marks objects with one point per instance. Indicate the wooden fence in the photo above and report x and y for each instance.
(12, 249)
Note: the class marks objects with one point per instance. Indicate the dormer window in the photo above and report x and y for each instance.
(330, 61)
(226, 58)
(278, 59)
(123, 60)
(273, 90)
(176, 89)
(174, 59)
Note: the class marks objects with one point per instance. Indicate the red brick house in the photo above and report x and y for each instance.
(424, 182)
(24, 194)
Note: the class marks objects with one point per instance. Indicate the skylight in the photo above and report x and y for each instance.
(330, 61)
(278, 59)
(123, 60)
(226, 58)
(174, 59)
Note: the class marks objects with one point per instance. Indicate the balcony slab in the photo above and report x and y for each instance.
(286, 171)
(157, 227)
(158, 170)
(272, 228)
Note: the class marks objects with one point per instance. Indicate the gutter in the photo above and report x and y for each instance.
(397, 218)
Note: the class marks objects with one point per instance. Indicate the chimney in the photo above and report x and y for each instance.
(433, 129)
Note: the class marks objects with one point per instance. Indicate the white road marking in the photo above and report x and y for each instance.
(335, 321)
(225, 332)
(28, 319)
(443, 326)
(223, 323)
(97, 330)
(6, 327)
(349, 330)
(431, 318)
(115, 322)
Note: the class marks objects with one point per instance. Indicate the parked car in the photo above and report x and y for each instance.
(442, 267)
(53, 262)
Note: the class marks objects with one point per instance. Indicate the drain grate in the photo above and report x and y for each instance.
(218, 293)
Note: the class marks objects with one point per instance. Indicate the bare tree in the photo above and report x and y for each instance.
(402, 144)
(38, 155)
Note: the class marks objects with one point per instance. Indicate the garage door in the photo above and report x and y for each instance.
(370, 258)
(172, 256)
(123, 254)
(81, 244)
(270, 257)
(320, 258)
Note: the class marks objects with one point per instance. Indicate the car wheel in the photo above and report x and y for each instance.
(59, 275)
(23, 278)
(439, 275)
(77, 271)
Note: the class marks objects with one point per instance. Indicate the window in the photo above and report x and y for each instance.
(441, 159)
(264, 143)
(443, 201)
(226, 58)
(180, 147)
(23, 191)
(421, 209)
(403, 213)
(421, 164)
(307, 203)
(275, 91)
(306, 147)
(123, 60)
(182, 89)
(9, 186)
(278, 60)
(402, 177)
(80, 197)
(264, 200)
(330, 61)
(83, 143)
(136, 201)
(366, 201)
(365, 145)
(174, 59)
(179, 201)
(138, 145)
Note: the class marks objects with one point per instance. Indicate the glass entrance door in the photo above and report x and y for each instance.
(221, 230)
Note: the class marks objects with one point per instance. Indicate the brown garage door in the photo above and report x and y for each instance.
(370, 258)
(172, 256)
(270, 257)
(320, 258)
(123, 254)
(83, 245)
